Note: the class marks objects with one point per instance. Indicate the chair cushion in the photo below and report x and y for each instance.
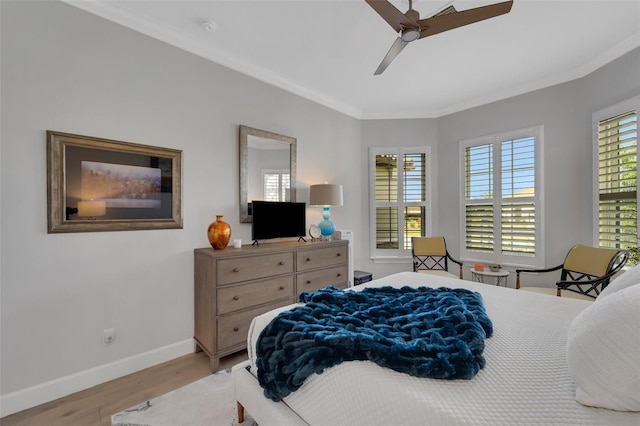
(602, 351)
(628, 278)
(432, 246)
(591, 260)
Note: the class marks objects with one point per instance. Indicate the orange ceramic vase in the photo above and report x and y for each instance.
(219, 233)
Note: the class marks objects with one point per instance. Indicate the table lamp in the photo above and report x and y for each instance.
(326, 195)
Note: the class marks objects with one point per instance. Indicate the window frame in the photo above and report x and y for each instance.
(604, 114)
(399, 255)
(282, 189)
(536, 261)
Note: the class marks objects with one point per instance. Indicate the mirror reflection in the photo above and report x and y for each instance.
(267, 168)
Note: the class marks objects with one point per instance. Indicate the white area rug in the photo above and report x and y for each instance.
(207, 402)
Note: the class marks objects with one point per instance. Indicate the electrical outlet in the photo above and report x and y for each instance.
(109, 335)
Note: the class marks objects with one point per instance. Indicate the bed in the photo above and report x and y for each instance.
(534, 359)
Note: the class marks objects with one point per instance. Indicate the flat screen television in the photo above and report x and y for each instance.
(272, 219)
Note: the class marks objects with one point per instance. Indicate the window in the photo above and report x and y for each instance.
(501, 198)
(399, 195)
(616, 142)
(276, 185)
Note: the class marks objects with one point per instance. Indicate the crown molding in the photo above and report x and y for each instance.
(583, 70)
(133, 20)
(129, 18)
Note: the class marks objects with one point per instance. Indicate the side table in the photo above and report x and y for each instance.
(499, 276)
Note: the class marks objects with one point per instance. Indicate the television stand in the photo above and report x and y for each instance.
(231, 287)
(256, 243)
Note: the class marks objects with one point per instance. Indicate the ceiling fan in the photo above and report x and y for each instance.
(411, 27)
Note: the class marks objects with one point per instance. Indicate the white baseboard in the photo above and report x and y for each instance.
(39, 394)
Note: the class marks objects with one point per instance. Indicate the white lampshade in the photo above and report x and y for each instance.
(92, 208)
(325, 195)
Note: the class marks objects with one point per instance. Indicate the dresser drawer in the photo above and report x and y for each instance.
(234, 298)
(234, 328)
(337, 276)
(249, 268)
(320, 258)
(233, 286)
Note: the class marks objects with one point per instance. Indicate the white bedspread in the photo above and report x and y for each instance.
(526, 379)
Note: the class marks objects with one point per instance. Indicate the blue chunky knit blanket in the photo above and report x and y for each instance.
(425, 332)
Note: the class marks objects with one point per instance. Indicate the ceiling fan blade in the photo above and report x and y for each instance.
(395, 49)
(447, 21)
(391, 14)
(445, 11)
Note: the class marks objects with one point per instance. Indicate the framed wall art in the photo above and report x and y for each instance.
(96, 184)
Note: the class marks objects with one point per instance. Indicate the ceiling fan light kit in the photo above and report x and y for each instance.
(410, 27)
(410, 34)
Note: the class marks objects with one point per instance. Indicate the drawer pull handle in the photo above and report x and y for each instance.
(281, 263)
(236, 329)
(281, 287)
(236, 270)
(308, 281)
(308, 259)
(236, 298)
(339, 274)
(338, 254)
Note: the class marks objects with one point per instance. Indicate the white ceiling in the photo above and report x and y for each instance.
(327, 50)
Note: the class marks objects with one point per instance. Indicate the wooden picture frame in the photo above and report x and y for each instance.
(97, 185)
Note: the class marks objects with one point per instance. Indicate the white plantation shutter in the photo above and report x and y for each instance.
(501, 201)
(285, 188)
(386, 227)
(275, 185)
(386, 196)
(271, 183)
(617, 181)
(399, 187)
(414, 187)
(518, 223)
(518, 220)
(479, 216)
(479, 172)
(518, 168)
(479, 227)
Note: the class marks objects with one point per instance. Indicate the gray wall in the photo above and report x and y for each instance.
(63, 69)
(398, 133)
(66, 70)
(565, 110)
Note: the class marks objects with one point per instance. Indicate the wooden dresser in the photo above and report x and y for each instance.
(232, 286)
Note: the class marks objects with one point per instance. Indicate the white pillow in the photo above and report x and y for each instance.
(603, 352)
(628, 278)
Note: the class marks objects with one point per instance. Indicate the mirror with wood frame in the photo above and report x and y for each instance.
(267, 168)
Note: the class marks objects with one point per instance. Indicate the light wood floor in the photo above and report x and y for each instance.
(95, 406)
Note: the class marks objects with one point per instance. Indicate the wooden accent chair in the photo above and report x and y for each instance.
(430, 256)
(586, 271)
